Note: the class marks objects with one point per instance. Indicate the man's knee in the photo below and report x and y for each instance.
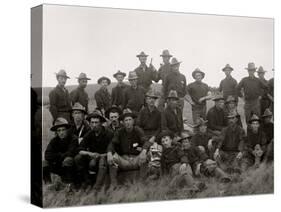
(93, 164)
(68, 162)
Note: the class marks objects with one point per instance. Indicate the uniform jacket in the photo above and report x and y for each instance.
(117, 94)
(196, 90)
(172, 121)
(163, 72)
(145, 76)
(134, 98)
(228, 87)
(80, 95)
(175, 81)
(103, 99)
(216, 119)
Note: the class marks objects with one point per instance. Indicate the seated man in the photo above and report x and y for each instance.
(80, 126)
(231, 107)
(128, 148)
(216, 116)
(255, 143)
(229, 151)
(113, 114)
(268, 128)
(149, 118)
(60, 152)
(92, 152)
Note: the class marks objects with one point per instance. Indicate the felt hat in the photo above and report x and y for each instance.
(142, 54)
(218, 97)
(166, 53)
(184, 135)
(119, 73)
(128, 114)
(78, 106)
(173, 95)
(96, 114)
(60, 122)
(174, 61)
(254, 117)
(62, 73)
(163, 134)
(132, 75)
(104, 78)
(83, 76)
(227, 67)
(261, 70)
(267, 113)
(230, 99)
(152, 93)
(113, 109)
(251, 66)
(197, 70)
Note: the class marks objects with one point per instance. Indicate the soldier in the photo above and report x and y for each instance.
(60, 152)
(79, 94)
(80, 126)
(175, 81)
(113, 114)
(92, 152)
(60, 104)
(268, 128)
(264, 101)
(271, 92)
(228, 84)
(172, 116)
(216, 116)
(128, 149)
(149, 118)
(145, 74)
(134, 95)
(199, 93)
(117, 93)
(252, 87)
(231, 107)
(102, 96)
(164, 70)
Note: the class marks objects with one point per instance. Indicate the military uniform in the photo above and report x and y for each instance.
(145, 76)
(228, 87)
(134, 98)
(216, 120)
(172, 120)
(117, 94)
(80, 95)
(103, 99)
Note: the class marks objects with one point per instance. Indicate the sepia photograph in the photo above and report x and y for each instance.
(139, 106)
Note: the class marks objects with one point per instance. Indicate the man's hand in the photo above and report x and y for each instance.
(82, 152)
(201, 99)
(217, 154)
(109, 158)
(239, 155)
(94, 155)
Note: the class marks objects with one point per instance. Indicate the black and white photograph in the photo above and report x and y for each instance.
(138, 106)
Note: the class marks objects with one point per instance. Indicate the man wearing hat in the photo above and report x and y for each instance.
(92, 151)
(229, 152)
(60, 103)
(216, 116)
(117, 93)
(145, 74)
(228, 84)
(102, 96)
(128, 149)
(268, 128)
(113, 114)
(253, 90)
(231, 107)
(270, 93)
(60, 152)
(199, 93)
(255, 142)
(264, 101)
(149, 118)
(80, 126)
(79, 94)
(175, 81)
(134, 95)
(164, 70)
(172, 115)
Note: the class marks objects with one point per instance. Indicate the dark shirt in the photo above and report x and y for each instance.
(172, 121)
(201, 139)
(216, 119)
(252, 88)
(171, 156)
(175, 81)
(228, 87)
(117, 94)
(268, 129)
(264, 91)
(193, 156)
(227, 111)
(57, 150)
(163, 72)
(232, 138)
(134, 98)
(196, 90)
(96, 143)
(80, 95)
(128, 143)
(81, 131)
(59, 101)
(145, 76)
(113, 128)
(252, 139)
(103, 99)
(150, 121)
(271, 87)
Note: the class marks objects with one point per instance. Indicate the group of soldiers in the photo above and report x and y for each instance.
(136, 128)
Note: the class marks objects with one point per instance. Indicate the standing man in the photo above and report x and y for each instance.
(164, 70)
(102, 96)
(199, 93)
(117, 93)
(264, 101)
(228, 84)
(172, 116)
(113, 115)
(60, 104)
(134, 95)
(252, 87)
(175, 81)
(79, 94)
(145, 74)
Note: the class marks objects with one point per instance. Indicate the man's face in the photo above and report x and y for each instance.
(198, 77)
(227, 73)
(114, 118)
(267, 119)
(251, 72)
(133, 82)
(120, 78)
(166, 141)
(61, 80)
(261, 74)
(104, 83)
(128, 122)
(203, 128)
(232, 120)
(142, 59)
(220, 104)
(61, 132)
(173, 103)
(231, 105)
(255, 126)
(95, 124)
(83, 83)
(166, 59)
(78, 116)
(150, 101)
(186, 144)
(175, 68)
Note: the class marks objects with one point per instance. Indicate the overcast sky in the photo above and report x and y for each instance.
(100, 41)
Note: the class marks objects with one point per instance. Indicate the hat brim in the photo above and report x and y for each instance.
(180, 140)
(101, 79)
(121, 73)
(133, 78)
(176, 98)
(54, 128)
(84, 111)
(268, 115)
(102, 119)
(142, 55)
(174, 64)
(195, 72)
(166, 55)
(250, 121)
(117, 109)
(230, 69)
(218, 99)
(83, 78)
(249, 69)
(65, 76)
(123, 116)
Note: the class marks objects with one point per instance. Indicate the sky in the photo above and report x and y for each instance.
(99, 41)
